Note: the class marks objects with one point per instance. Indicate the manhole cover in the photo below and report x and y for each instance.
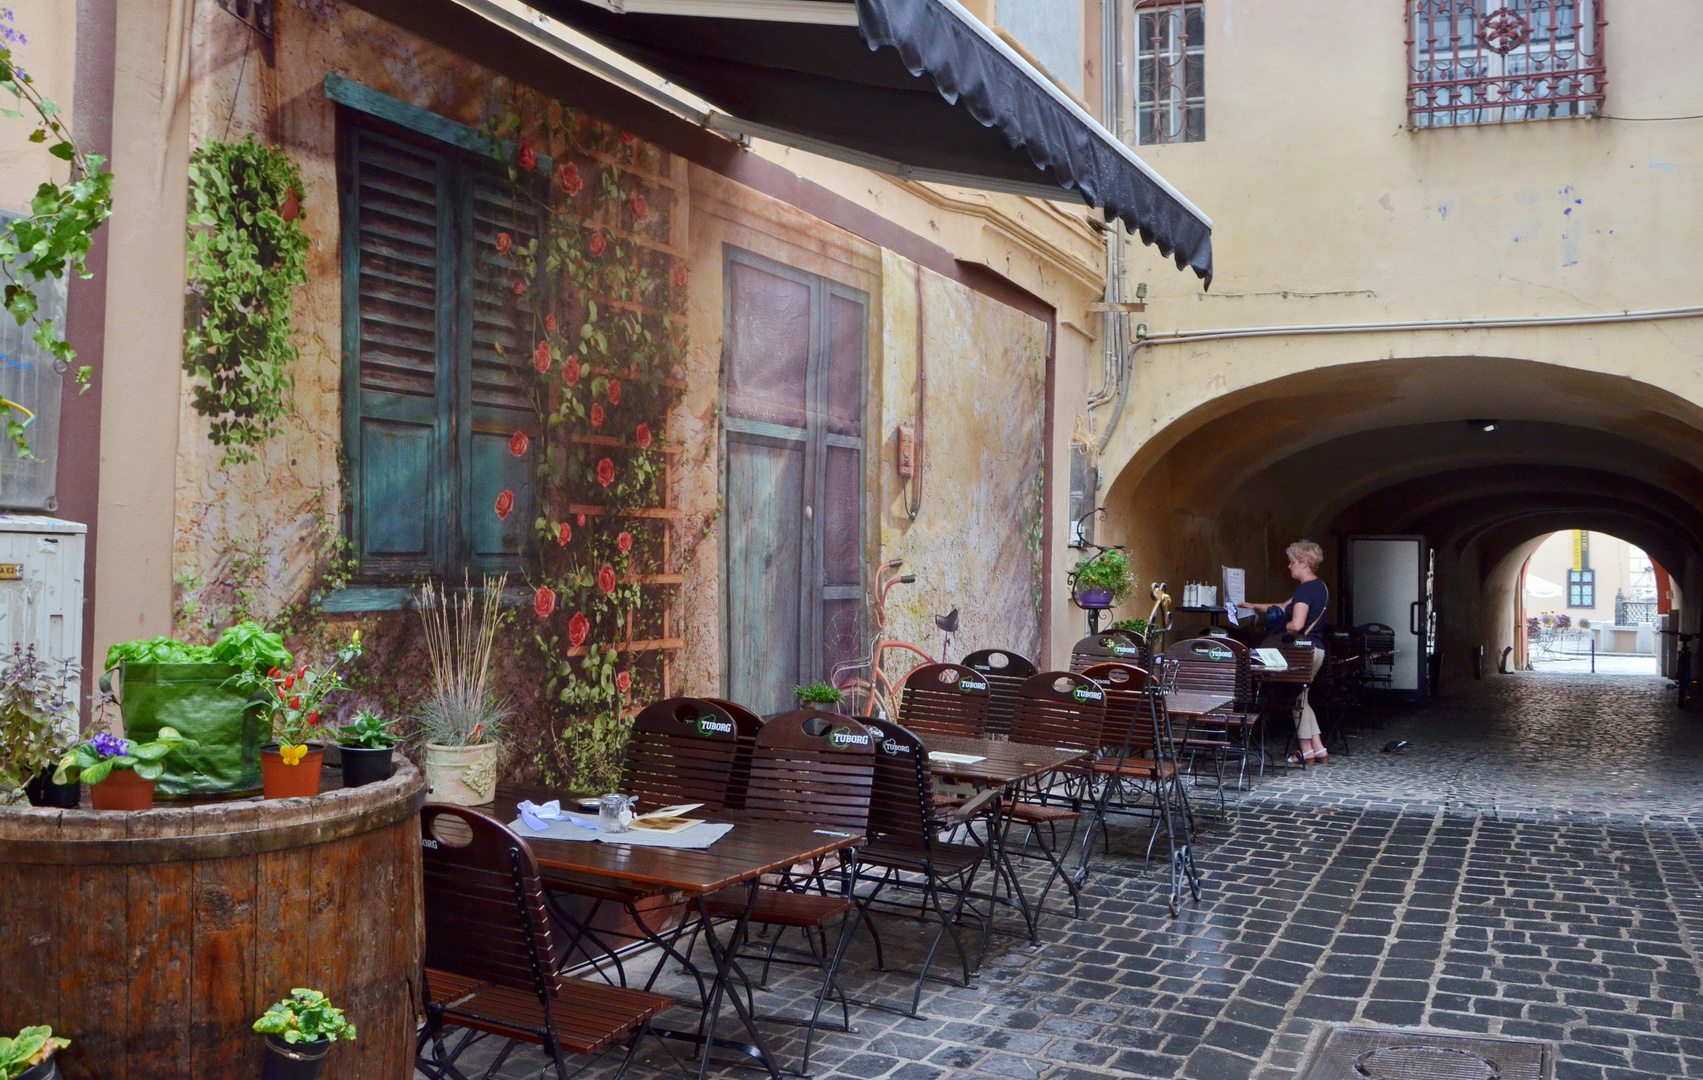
(1351, 1053)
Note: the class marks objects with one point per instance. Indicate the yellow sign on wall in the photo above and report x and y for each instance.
(1581, 549)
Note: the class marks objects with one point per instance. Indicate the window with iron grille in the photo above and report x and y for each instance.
(1582, 588)
(1170, 47)
(1493, 61)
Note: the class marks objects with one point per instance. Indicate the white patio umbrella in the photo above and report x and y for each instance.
(1541, 588)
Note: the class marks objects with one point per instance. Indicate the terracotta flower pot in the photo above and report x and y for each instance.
(463, 775)
(281, 781)
(122, 790)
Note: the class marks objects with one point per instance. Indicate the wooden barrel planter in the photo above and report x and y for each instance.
(153, 939)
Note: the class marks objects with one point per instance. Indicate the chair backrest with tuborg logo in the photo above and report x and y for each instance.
(1112, 647)
(902, 797)
(681, 750)
(1005, 672)
(1129, 711)
(1212, 665)
(748, 723)
(812, 766)
(945, 699)
(1061, 709)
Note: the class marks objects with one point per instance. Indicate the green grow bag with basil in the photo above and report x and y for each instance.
(200, 701)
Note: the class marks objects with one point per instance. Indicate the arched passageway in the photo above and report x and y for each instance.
(1483, 456)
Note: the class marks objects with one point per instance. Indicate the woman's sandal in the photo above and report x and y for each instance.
(1308, 758)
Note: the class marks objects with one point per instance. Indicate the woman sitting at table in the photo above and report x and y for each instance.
(1302, 614)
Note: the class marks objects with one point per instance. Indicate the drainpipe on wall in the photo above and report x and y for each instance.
(1114, 359)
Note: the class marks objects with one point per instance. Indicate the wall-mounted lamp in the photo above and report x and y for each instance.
(1485, 426)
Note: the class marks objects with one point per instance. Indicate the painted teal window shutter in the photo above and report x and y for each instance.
(431, 405)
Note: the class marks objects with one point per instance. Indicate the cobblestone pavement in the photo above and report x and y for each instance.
(1383, 891)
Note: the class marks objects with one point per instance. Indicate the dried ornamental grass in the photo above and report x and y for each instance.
(460, 632)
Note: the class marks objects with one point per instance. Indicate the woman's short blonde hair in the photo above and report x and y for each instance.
(1306, 551)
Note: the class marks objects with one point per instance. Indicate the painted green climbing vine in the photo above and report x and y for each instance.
(247, 254)
(605, 299)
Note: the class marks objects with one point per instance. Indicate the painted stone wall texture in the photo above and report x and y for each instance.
(975, 543)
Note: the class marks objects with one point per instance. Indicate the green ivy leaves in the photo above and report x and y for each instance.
(245, 259)
(53, 239)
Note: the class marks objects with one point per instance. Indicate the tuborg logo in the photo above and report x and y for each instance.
(709, 725)
(1083, 693)
(968, 685)
(843, 739)
(1219, 652)
(894, 749)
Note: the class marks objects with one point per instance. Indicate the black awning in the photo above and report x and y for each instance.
(916, 88)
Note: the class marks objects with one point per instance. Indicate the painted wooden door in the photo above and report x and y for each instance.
(792, 384)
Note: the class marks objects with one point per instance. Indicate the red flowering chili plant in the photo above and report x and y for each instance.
(296, 699)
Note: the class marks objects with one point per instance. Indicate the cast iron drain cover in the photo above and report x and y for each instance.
(1353, 1053)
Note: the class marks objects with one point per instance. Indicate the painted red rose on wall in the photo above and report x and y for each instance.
(679, 274)
(614, 391)
(528, 157)
(597, 418)
(606, 579)
(549, 324)
(579, 628)
(597, 244)
(544, 601)
(570, 369)
(641, 435)
(564, 533)
(504, 243)
(624, 542)
(518, 442)
(541, 357)
(623, 681)
(568, 180)
(505, 505)
(641, 208)
(605, 472)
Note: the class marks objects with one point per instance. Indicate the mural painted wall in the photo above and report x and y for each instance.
(975, 542)
(619, 312)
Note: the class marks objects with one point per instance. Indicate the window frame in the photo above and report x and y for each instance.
(450, 487)
(1191, 57)
(1582, 588)
(1493, 71)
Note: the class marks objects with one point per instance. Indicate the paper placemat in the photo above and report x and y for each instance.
(955, 759)
(697, 837)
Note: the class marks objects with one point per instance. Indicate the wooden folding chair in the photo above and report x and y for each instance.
(816, 767)
(1219, 666)
(1112, 647)
(748, 724)
(903, 840)
(489, 951)
(945, 699)
(1005, 672)
(1065, 710)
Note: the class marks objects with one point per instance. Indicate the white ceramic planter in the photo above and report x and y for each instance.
(463, 775)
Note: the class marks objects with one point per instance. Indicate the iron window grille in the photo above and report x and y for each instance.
(1493, 61)
(1170, 45)
(1581, 588)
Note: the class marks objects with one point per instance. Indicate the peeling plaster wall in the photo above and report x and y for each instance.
(975, 543)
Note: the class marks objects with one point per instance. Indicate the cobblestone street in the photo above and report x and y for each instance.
(1528, 867)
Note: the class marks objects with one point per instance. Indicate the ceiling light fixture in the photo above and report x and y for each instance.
(1485, 426)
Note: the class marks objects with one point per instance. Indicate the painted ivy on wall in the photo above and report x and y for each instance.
(247, 254)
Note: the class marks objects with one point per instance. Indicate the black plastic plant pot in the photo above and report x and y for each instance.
(293, 1061)
(42, 791)
(47, 1070)
(1094, 599)
(362, 766)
